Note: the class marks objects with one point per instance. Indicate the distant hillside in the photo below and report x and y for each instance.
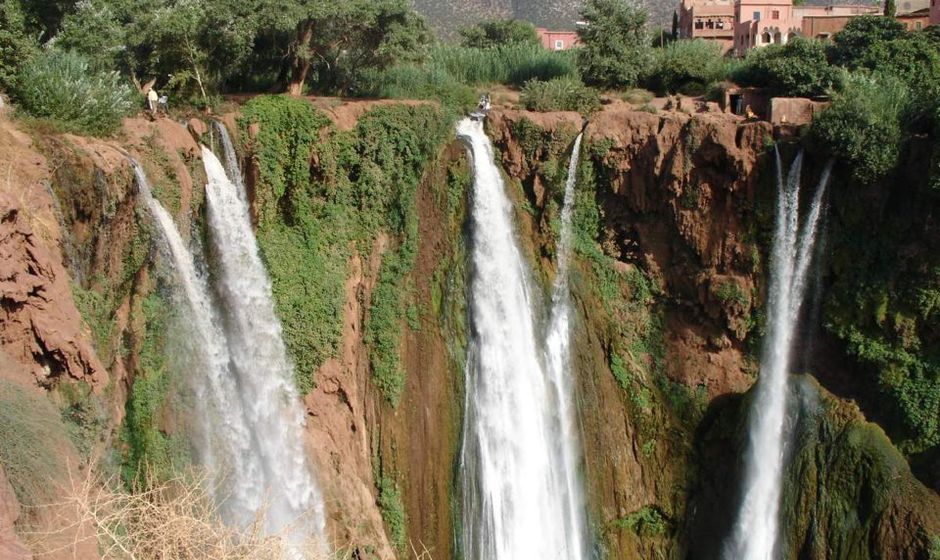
(447, 16)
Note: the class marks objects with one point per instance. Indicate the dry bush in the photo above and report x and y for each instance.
(173, 520)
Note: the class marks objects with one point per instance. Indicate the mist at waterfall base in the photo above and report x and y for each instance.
(521, 494)
(250, 433)
(755, 534)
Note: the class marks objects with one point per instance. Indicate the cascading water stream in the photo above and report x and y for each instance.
(755, 533)
(226, 447)
(232, 169)
(558, 365)
(263, 372)
(515, 504)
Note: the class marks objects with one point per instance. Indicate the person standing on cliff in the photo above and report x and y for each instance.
(152, 99)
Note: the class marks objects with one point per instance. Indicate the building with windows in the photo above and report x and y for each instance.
(822, 22)
(557, 40)
(759, 23)
(915, 21)
(712, 20)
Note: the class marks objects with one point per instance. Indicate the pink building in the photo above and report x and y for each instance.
(557, 40)
(934, 12)
(711, 20)
(763, 22)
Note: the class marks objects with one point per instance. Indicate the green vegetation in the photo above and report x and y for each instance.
(16, 45)
(84, 416)
(151, 453)
(798, 69)
(33, 443)
(312, 218)
(96, 310)
(865, 125)
(497, 33)
(647, 521)
(393, 512)
(730, 292)
(687, 66)
(560, 94)
(63, 88)
(615, 43)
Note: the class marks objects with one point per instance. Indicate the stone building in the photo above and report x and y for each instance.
(759, 23)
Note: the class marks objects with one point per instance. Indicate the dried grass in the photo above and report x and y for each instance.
(174, 520)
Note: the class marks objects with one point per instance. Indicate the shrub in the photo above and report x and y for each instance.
(863, 127)
(682, 63)
(616, 47)
(648, 521)
(638, 96)
(63, 87)
(499, 32)
(393, 511)
(560, 94)
(15, 44)
(798, 69)
(859, 35)
(419, 81)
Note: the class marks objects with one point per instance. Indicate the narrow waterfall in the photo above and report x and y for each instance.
(226, 448)
(558, 364)
(755, 533)
(263, 372)
(232, 169)
(514, 502)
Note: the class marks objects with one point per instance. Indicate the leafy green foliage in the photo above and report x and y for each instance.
(393, 512)
(560, 94)
(32, 443)
(683, 63)
(311, 218)
(798, 69)
(339, 40)
(84, 416)
(147, 447)
(497, 33)
(864, 126)
(616, 47)
(850, 46)
(16, 46)
(63, 87)
(647, 521)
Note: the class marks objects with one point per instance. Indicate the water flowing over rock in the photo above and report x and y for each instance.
(264, 375)
(515, 503)
(755, 534)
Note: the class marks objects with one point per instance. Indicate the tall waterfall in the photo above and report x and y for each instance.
(558, 365)
(515, 500)
(232, 169)
(263, 372)
(755, 533)
(227, 446)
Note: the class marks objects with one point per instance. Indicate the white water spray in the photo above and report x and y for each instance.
(558, 365)
(755, 533)
(515, 504)
(226, 448)
(264, 375)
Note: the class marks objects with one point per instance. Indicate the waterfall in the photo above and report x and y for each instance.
(755, 533)
(515, 504)
(206, 355)
(263, 373)
(558, 365)
(232, 169)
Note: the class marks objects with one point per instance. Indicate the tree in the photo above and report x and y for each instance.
(864, 127)
(499, 32)
(339, 40)
(616, 45)
(859, 35)
(16, 46)
(799, 69)
(891, 8)
(675, 25)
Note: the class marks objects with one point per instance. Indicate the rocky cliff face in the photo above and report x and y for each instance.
(668, 281)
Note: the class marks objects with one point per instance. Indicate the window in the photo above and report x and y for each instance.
(559, 45)
(756, 16)
(699, 24)
(919, 25)
(775, 14)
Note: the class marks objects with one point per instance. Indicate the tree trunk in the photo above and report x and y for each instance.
(300, 63)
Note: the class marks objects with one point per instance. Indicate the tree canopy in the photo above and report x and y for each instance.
(498, 33)
(615, 43)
